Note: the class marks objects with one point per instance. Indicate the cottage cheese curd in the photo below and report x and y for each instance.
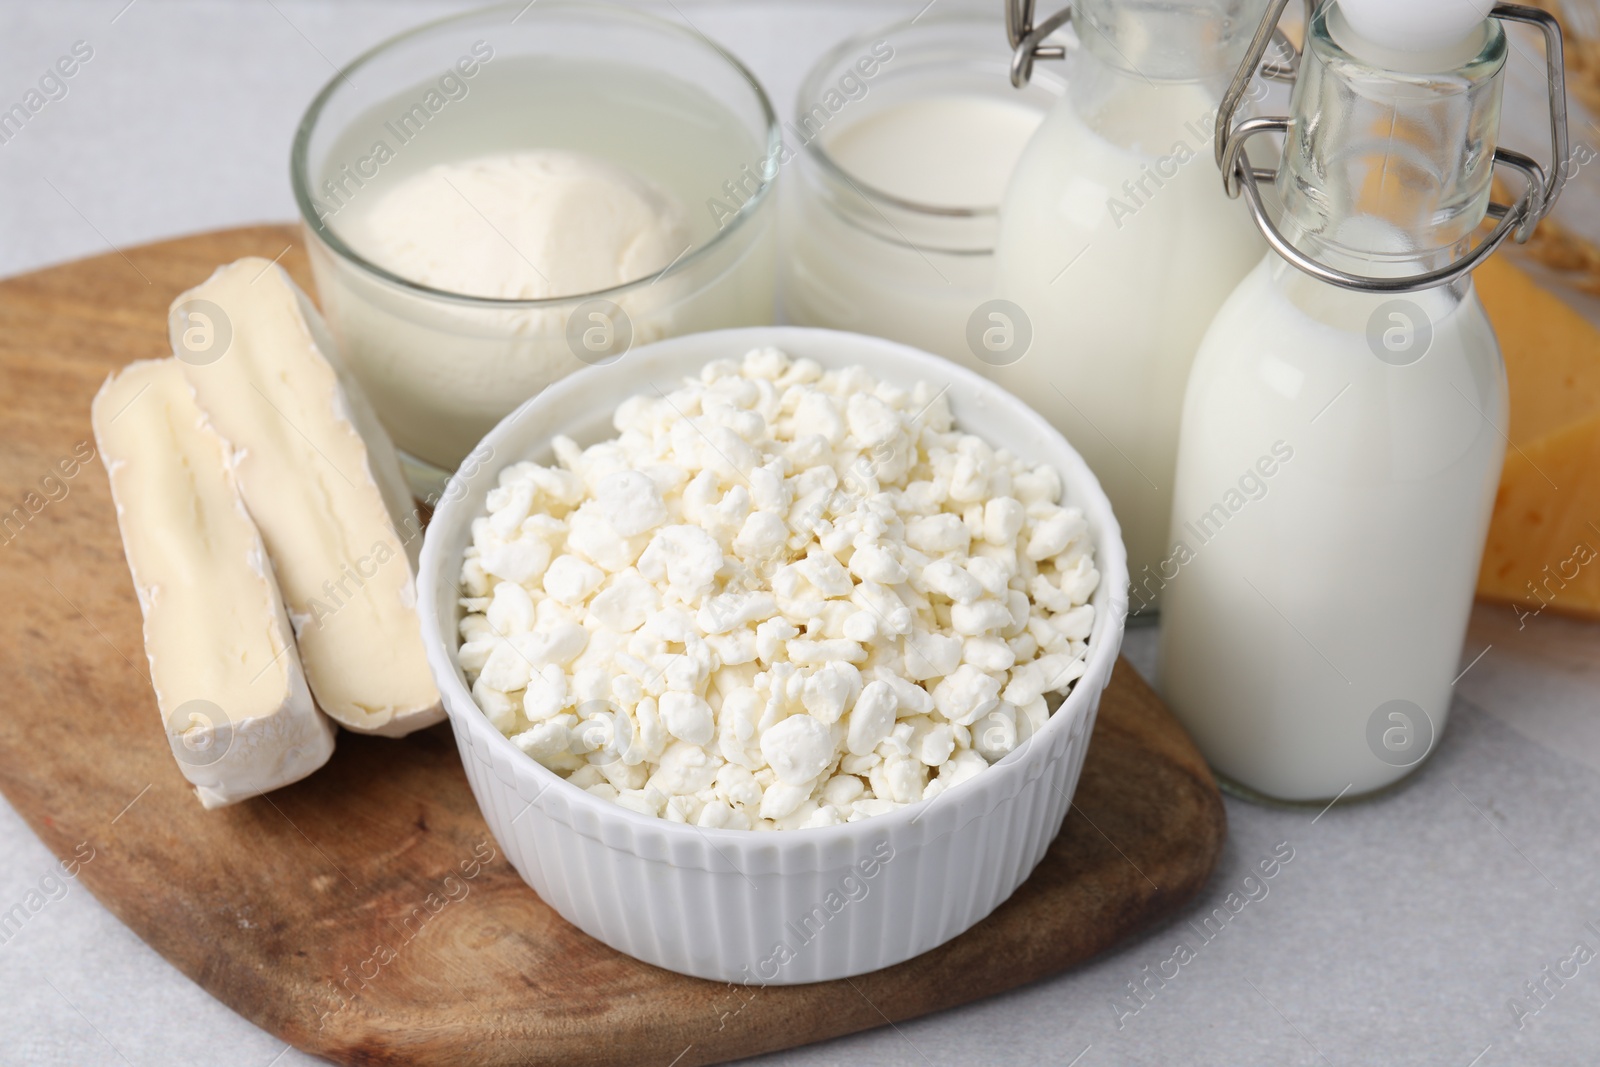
(782, 597)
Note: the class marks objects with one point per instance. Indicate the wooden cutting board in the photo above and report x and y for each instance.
(366, 914)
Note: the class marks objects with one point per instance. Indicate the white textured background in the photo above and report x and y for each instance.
(1396, 936)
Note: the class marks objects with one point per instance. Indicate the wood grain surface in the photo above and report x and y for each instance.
(366, 913)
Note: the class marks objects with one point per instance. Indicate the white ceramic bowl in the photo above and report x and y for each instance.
(791, 905)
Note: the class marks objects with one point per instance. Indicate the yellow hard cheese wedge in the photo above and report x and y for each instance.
(1552, 352)
(324, 486)
(1543, 550)
(222, 659)
(1544, 543)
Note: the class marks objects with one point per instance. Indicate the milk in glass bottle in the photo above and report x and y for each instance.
(1118, 245)
(1342, 432)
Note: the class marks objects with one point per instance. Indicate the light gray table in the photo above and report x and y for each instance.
(1401, 932)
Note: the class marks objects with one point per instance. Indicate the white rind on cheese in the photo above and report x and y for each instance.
(352, 404)
(222, 658)
(323, 484)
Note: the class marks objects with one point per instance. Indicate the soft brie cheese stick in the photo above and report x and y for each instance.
(325, 489)
(222, 658)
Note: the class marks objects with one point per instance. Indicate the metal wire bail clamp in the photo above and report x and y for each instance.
(1517, 220)
(1027, 40)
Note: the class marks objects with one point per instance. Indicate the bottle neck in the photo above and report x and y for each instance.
(1147, 71)
(1168, 40)
(1385, 171)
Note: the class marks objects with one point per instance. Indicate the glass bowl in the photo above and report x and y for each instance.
(858, 257)
(658, 99)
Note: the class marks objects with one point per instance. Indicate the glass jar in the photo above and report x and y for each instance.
(658, 100)
(906, 263)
